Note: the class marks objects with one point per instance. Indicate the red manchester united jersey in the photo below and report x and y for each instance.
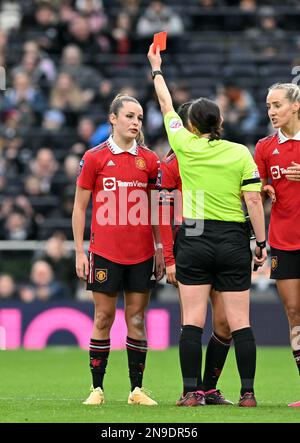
(120, 180)
(169, 181)
(273, 155)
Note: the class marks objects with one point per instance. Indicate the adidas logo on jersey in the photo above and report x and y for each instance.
(111, 163)
(275, 151)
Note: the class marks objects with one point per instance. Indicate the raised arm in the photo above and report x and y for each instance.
(162, 91)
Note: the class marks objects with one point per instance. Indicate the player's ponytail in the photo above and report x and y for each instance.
(140, 139)
(292, 92)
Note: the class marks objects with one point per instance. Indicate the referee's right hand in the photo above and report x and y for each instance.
(171, 275)
(82, 265)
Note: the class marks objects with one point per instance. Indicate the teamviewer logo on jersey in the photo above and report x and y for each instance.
(109, 184)
(275, 171)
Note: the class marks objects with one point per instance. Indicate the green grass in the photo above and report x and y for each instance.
(48, 386)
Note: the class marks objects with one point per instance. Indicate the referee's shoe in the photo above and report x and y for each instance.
(215, 397)
(248, 400)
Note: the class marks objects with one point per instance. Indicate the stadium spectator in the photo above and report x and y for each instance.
(26, 293)
(8, 289)
(132, 8)
(37, 64)
(267, 38)
(61, 259)
(68, 97)
(212, 244)
(277, 157)
(80, 34)
(46, 28)
(44, 166)
(104, 94)
(170, 186)
(44, 284)
(159, 17)
(86, 77)
(16, 226)
(239, 111)
(25, 98)
(93, 11)
(120, 254)
(122, 36)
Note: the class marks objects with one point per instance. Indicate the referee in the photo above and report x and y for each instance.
(213, 244)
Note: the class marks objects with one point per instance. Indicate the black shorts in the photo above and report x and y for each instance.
(220, 256)
(111, 277)
(285, 264)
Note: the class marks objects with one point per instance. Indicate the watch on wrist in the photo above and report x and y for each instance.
(261, 244)
(154, 73)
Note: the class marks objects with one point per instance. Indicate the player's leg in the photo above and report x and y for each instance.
(236, 306)
(216, 351)
(194, 261)
(289, 291)
(194, 300)
(104, 283)
(137, 281)
(285, 269)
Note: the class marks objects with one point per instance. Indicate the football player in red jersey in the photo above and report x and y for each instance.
(169, 182)
(278, 160)
(118, 174)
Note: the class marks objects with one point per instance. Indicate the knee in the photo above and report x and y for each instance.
(103, 321)
(136, 321)
(222, 329)
(293, 314)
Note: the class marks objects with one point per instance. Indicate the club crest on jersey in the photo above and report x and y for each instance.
(140, 163)
(274, 262)
(109, 184)
(101, 275)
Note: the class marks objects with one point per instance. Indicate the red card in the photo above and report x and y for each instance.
(160, 39)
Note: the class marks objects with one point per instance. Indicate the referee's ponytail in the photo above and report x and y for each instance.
(205, 116)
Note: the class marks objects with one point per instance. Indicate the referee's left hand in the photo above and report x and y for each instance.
(159, 264)
(293, 172)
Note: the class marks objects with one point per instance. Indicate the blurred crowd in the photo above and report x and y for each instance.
(64, 62)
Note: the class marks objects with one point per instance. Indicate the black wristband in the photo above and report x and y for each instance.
(154, 73)
(261, 244)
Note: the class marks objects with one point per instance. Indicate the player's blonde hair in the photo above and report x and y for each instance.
(292, 92)
(117, 103)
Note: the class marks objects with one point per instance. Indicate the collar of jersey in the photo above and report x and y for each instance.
(115, 149)
(282, 138)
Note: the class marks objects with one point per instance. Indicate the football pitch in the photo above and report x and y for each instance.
(49, 386)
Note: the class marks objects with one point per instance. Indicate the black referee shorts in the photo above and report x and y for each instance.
(110, 277)
(285, 264)
(220, 256)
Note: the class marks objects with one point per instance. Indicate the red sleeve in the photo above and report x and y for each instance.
(166, 212)
(87, 171)
(168, 181)
(169, 174)
(153, 171)
(260, 160)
